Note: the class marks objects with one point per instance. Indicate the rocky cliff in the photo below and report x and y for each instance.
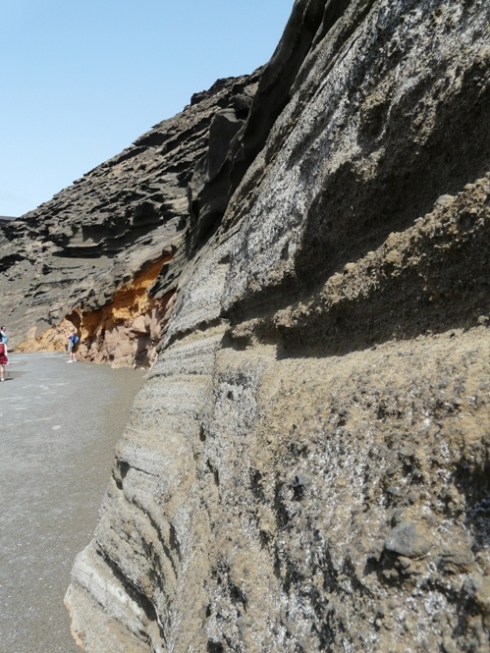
(105, 254)
(308, 465)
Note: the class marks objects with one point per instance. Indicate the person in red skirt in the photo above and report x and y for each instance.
(3, 360)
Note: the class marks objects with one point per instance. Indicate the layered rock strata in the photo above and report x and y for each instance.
(307, 466)
(81, 258)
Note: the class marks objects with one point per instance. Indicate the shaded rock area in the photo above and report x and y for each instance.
(307, 466)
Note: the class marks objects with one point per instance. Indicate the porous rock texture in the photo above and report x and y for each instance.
(308, 465)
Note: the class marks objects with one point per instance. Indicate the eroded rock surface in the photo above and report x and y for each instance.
(83, 257)
(307, 467)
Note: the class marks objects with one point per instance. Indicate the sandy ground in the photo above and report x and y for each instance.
(59, 424)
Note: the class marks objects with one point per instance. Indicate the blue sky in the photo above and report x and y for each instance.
(80, 81)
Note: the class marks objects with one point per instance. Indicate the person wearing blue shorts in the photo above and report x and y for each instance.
(72, 344)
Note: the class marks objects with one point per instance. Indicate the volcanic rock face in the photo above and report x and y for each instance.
(85, 256)
(307, 467)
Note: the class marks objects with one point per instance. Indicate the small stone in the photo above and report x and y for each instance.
(477, 588)
(444, 199)
(449, 646)
(457, 563)
(398, 517)
(412, 498)
(408, 540)
(395, 491)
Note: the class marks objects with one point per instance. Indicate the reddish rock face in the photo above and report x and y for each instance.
(124, 332)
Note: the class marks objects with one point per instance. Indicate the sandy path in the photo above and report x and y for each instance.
(59, 424)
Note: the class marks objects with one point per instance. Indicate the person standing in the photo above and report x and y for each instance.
(71, 345)
(3, 359)
(3, 337)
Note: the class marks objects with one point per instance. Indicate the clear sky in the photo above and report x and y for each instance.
(80, 81)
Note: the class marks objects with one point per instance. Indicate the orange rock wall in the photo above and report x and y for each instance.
(124, 332)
